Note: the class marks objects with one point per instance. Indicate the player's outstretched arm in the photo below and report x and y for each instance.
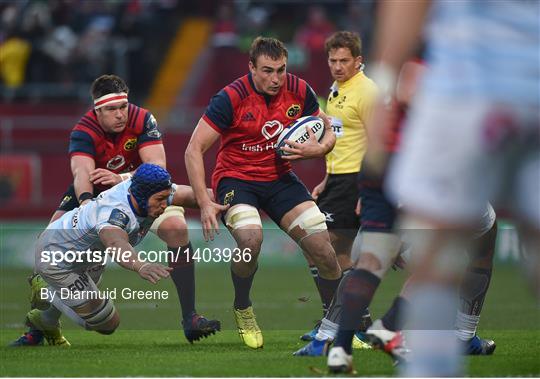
(184, 196)
(149, 154)
(153, 154)
(398, 33)
(81, 167)
(202, 139)
(117, 240)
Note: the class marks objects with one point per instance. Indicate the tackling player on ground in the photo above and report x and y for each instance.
(110, 141)
(248, 115)
(119, 218)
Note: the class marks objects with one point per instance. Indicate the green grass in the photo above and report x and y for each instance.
(150, 341)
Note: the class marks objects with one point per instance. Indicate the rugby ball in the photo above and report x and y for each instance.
(297, 132)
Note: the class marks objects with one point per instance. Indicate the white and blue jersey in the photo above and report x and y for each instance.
(78, 229)
(487, 49)
(472, 133)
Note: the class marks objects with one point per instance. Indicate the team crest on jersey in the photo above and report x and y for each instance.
(293, 111)
(118, 218)
(151, 127)
(271, 129)
(154, 133)
(130, 144)
(116, 162)
(229, 196)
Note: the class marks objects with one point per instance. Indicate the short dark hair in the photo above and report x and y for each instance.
(106, 84)
(271, 47)
(348, 40)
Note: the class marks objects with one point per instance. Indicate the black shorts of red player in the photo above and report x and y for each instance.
(70, 201)
(338, 203)
(377, 213)
(275, 197)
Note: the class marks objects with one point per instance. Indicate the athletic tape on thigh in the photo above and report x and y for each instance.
(384, 246)
(242, 215)
(99, 318)
(170, 211)
(312, 220)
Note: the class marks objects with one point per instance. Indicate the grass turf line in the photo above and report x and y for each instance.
(510, 318)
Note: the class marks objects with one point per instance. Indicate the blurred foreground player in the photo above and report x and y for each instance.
(473, 136)
(108, 143)
(119, 218)
(349, 106)
(379, 247)
(248, 115)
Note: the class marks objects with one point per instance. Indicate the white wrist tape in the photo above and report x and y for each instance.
(386, 79)
(125, 176)
(144, 264)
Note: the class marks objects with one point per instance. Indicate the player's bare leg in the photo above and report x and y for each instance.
(172, 229)
(244, 223)
(342, 246)
(306, 225)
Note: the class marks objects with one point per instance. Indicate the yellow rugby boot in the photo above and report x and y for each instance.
(249, 331)
(36, 284)
(358, 344)
(53, 334)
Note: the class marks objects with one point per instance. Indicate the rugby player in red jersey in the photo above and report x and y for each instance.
(106, 145)
(247, 116)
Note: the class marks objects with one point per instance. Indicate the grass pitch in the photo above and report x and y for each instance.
(150, 341)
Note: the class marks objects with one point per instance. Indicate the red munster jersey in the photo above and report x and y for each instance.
(118, 152)
(250, 122)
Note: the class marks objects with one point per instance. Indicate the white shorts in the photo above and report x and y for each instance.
(76, 283)
(456, 155)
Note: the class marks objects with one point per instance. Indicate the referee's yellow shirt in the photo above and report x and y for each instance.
(349, 107)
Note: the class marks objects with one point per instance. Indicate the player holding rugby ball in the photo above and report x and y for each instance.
(249, 114)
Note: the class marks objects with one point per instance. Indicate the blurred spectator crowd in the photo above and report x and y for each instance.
(305, 25)
(65, 44)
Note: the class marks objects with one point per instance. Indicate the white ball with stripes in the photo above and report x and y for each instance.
(298, 133)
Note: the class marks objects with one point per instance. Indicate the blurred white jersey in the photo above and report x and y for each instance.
(473, 132)
(78, 229)
(488, 49)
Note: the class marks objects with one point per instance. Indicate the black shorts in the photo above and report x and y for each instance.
(276, 197)
(70, 201)
(377, 213)
(338, 202)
